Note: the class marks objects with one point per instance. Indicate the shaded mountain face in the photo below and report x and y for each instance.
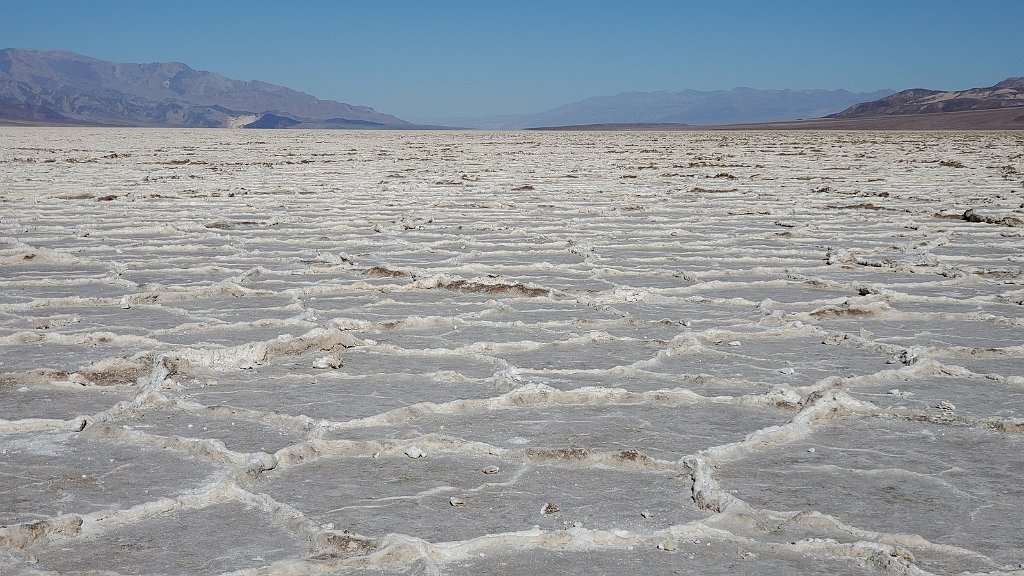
(687, 107)
(51, 86)
(1006, 94)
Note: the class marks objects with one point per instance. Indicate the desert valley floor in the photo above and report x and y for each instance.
(462, 353)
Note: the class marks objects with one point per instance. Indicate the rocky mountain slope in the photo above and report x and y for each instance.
(1007, 94)
(63, 87)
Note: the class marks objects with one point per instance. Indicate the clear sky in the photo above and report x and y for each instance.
(426, 60)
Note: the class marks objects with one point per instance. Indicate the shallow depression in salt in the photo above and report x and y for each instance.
(451, 353)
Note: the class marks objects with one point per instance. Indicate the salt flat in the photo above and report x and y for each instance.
(329, 353)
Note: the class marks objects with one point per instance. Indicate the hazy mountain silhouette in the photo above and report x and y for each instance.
(685, 107)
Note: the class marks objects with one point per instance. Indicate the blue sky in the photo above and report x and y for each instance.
(428, 60)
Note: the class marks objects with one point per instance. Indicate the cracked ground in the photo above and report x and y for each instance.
(265, 353)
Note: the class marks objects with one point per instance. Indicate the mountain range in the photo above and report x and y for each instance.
(1006, 94)
(998, 107)
(686, 107)
(55, 87)
(66, 88)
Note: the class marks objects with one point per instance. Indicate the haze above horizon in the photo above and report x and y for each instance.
(427, 62)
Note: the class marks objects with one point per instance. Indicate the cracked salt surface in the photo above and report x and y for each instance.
(453, 353)
(947, 484)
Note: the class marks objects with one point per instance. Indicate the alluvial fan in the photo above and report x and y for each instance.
(463, 353)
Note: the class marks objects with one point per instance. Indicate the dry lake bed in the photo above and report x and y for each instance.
(467, 353)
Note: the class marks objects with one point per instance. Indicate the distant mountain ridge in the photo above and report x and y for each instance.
(1006, 94)
(64, 87)
(56, 87)
(718, 107)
